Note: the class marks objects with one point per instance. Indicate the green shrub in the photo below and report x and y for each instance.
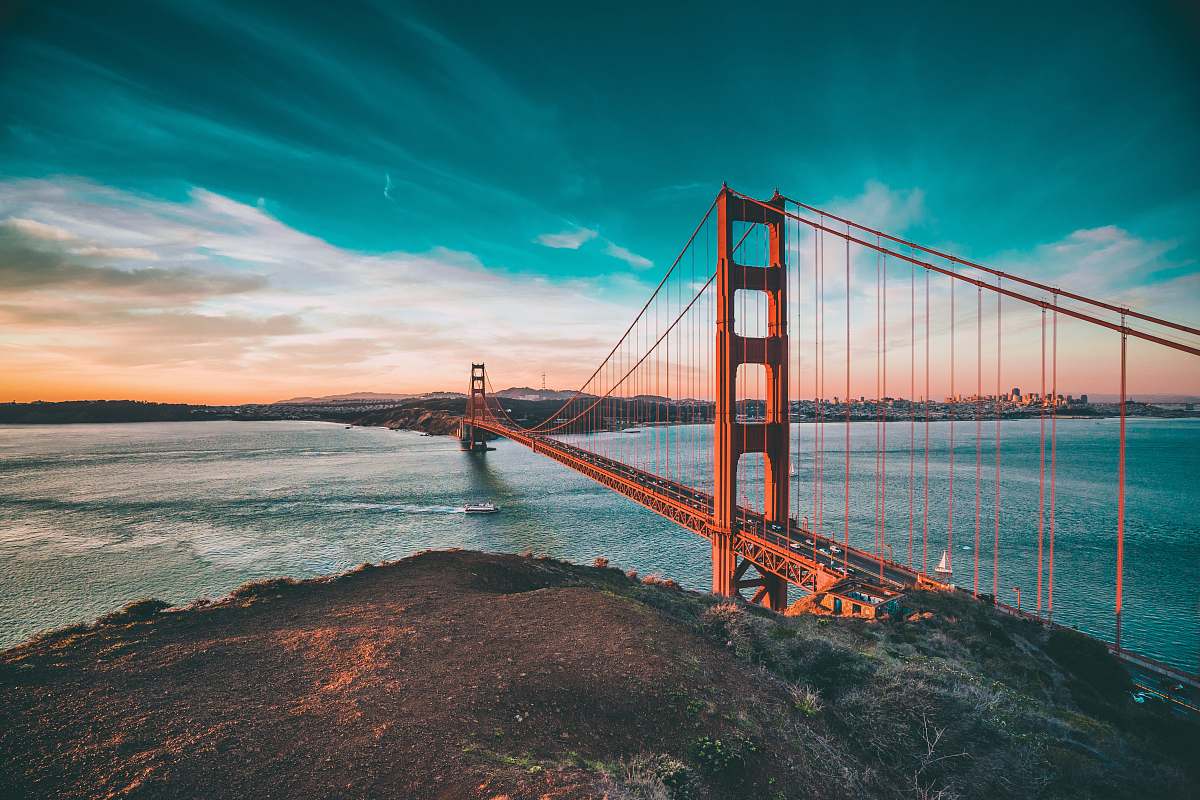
(652, 777)
(806, 700)
(723, 760)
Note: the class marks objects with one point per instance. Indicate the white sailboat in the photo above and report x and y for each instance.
(943, 566)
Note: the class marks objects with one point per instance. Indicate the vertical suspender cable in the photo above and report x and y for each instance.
(912, 406)
(1053, 454)
(821, 393)
(879, 419)
(1121, 493)
(925, 501)
(817, 253)
(978, 424)
(883, 428)
(846, 528)
(1041, 467)
(996, 539)
(953, 414)
(880, 391)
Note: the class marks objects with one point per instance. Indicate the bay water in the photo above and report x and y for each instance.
(94, 516)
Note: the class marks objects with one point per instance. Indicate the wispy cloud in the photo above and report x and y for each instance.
(240, 306)
(38, 230)
(880, 206)
(1111, 262)
(37, 263)
(579, 236)
(567, 240)
(628, 256)
(123, 253)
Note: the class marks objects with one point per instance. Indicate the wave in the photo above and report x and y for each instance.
(403, 508)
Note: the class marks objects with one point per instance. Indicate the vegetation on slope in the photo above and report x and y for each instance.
(438, 423)
(73, 411)
(460, 674)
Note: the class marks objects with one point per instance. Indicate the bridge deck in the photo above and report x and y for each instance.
(794, 553)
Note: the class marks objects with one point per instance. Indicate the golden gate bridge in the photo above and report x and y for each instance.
(765, 302)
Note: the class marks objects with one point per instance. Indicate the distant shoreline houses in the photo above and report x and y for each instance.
(616, 413)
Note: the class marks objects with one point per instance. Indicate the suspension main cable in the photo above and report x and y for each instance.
(580, 391)
(1001, 274)
(640, 361)
(1120, 327)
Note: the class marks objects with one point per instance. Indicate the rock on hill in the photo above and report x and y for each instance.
(462, 675)
(439, 423)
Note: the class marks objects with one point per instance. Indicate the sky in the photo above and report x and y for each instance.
(237, 202)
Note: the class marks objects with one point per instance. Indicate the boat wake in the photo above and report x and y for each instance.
(402, 508)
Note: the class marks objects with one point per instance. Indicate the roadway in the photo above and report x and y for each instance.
(825, 550)
(833, 556)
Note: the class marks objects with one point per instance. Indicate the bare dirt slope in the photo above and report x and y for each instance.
(462, 675)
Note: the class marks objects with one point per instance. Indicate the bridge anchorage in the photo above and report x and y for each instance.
(695, 407)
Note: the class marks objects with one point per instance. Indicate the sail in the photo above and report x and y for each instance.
(944, 564)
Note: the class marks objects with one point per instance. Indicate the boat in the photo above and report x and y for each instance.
(943, 566)
(480, 508)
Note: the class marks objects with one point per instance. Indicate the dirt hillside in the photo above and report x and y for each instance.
(467, 675)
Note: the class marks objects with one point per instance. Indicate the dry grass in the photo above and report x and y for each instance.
(654, 579)
(650, 777)
(806, 700)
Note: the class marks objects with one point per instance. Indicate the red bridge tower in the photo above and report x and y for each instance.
(733, 439)
(476, 404)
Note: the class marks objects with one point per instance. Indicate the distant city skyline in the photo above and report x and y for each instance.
(219, 202)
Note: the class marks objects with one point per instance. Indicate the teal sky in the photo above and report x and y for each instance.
(567, 148)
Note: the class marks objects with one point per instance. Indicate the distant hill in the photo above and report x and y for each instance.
(340, 398)
(528, 393)
(75, 411)
(363, 397)
(1145, 397)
